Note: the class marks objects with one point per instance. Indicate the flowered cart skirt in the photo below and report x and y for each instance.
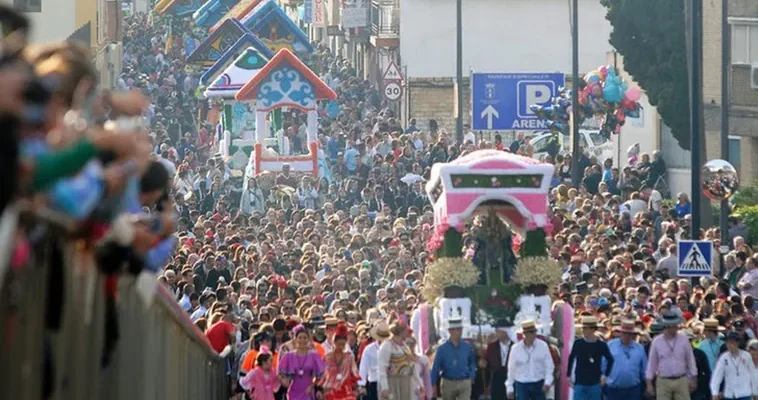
(401, 387)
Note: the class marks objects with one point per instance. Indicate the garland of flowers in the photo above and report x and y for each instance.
(497, 303)
(532, 272)
(446, 242)
(446, 272)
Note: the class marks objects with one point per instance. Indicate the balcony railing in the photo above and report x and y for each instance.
(385, 18)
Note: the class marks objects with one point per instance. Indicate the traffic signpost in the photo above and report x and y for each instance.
(501, 101)
(695, 257)
(392, 91)
(393, 83)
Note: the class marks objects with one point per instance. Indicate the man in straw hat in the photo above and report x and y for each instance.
(628, 373)
(671, 363)
(736, 371)
(455, 362)
(588, 353)
(368, 369)
(713, 344)
(530, 367)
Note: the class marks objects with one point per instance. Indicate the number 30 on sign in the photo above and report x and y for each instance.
(393, 91)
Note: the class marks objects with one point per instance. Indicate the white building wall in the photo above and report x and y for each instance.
(500, 36)
(55, 23)
(515, 36)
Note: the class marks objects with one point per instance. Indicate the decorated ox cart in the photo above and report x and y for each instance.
(491, 265)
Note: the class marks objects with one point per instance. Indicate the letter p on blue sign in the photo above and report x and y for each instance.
(533, 92)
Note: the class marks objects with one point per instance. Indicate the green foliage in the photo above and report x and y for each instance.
(452, 245)
(749, 216)
(746, 196)
(650, 35)
(500, 310)
(534, 244)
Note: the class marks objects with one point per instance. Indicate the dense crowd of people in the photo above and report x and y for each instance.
(312, 282)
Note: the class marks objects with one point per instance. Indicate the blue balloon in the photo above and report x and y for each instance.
(612, 92)
(593, 78)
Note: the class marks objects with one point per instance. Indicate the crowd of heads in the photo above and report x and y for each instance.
(303, 255)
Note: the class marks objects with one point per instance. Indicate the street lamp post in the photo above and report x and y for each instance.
(459, 72)
(725, 69)
(576, 174)
(695, 29)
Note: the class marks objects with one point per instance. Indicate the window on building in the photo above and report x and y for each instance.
(734, 151)
(28, 5)
(673, 154)
(745, 43)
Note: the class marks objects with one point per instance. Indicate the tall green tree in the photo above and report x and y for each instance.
(650, 35)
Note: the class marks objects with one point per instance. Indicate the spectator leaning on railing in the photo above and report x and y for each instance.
(70, 147)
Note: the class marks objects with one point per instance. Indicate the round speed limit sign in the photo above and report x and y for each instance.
(392, 91)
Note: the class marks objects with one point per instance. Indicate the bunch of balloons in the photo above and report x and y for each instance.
(602, 95)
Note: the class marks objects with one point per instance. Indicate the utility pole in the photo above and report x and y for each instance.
(576, 174)
(725, 70)
(459, 72)
(695, 34)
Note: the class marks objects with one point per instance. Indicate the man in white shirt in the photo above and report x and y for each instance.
(653, 197)
(530, 366)
(369, 368)
(636, 204)
(735, 369)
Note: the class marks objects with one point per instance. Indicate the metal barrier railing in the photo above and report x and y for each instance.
(53, 324)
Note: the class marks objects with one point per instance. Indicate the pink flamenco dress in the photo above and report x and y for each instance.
(260, 384)
(302, 371)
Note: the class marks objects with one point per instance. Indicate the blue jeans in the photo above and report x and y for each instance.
(738, 398)
(630, 393)
(529, 391)
(587, 392)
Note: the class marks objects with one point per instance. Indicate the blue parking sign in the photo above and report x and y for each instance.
(501, 101)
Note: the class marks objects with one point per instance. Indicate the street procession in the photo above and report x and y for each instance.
(379, 200)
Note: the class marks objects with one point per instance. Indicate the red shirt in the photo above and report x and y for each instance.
(219, 335)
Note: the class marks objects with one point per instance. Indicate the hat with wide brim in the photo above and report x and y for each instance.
(627, 326)
(380, 331)
(528, 326)
(671, 318)
(455, 323)
(330, 320)
(590, 321)
(712, 325)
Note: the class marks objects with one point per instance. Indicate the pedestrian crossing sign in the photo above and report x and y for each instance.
(695, 257)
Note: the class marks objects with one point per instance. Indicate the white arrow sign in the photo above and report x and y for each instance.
(489, 112)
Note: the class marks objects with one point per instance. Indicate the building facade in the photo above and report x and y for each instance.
(743, 84)
(514, 36)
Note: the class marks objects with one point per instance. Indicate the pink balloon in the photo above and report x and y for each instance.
(633, 93)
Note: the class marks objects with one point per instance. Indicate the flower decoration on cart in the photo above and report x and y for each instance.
(602, 94)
